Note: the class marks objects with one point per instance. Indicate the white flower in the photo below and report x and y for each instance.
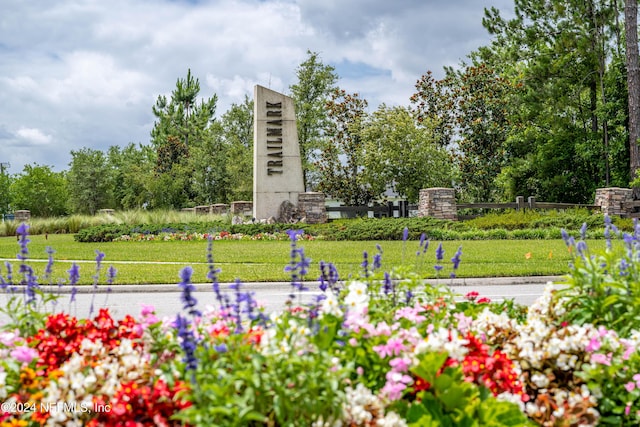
(330, 304)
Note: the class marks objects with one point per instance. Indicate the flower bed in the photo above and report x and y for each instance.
(382, 349)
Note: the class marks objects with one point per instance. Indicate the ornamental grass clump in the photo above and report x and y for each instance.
(383, 348)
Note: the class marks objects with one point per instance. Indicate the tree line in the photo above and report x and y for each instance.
(542, 110)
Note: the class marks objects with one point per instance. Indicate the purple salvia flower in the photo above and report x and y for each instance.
(9, 281)
(236, 307)
(213, 273)
(439, 253)
(23, 232)
(49, 268)
(74, 276)
(187, 287)
(405, 234)
(328, 276)
(111, 275)
(387, 284)
(365, 263)
(581, 248)
(409, 296)
(323, 277)
(456, 258)
(583, 231)
(297, 269)
(96, 278)
(188, 343)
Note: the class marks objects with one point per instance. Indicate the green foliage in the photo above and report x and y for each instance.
(237, 131)
(611, 280)
(401, 156)
(316, 82)
(41, 191)
(527, 225)
(132, 171)
(340, 166)
(237, 386)
(5, 192)
(569, 133)
(90, 181)
(450, 401)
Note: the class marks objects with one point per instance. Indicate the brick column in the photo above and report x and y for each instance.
(612, 200)
(438, 203)
(312, 208)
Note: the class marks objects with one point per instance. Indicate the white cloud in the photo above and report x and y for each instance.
(32, 136)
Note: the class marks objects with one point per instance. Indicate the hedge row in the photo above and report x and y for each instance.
(491, 227)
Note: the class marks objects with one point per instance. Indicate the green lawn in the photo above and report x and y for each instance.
(265, 260)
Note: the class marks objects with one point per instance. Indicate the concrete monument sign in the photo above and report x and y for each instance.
(277, 168)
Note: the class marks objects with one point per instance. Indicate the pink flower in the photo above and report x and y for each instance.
(464, 322)
(410, 313)
(594, 345)
(627, 409)
(628, 352)
(393, 347)
(9, 338)
(400, 364)
(601, 358)
(24, 354)
(630, 386)
(146, 310)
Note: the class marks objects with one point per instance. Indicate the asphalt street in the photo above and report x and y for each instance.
(128, 299)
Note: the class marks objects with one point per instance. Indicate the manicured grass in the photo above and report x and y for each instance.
(160, 262)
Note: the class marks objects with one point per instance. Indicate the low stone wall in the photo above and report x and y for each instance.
(312, 207)
(613, 200)
(438, 203)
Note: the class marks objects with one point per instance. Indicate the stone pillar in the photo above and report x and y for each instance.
(22, 215)
(613, 200)
(312, 208)
(438, 203)
(242, 208)
(277, 165)
(203, 210)
(219, 209)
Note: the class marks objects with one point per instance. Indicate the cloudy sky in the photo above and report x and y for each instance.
(85, 73)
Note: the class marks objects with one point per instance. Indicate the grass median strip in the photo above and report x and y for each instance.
(160, 262)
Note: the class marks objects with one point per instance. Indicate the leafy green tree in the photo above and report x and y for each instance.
(467, 112)
(90, 181)
(41, 191)
(564, 54)
(237, 128)
(133, 171)
(5, 192)
(183, 126)
(209, 161)
(316, 82)
(341, 171)
(401, 156)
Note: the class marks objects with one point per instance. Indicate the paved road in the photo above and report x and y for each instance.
(127, 299)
